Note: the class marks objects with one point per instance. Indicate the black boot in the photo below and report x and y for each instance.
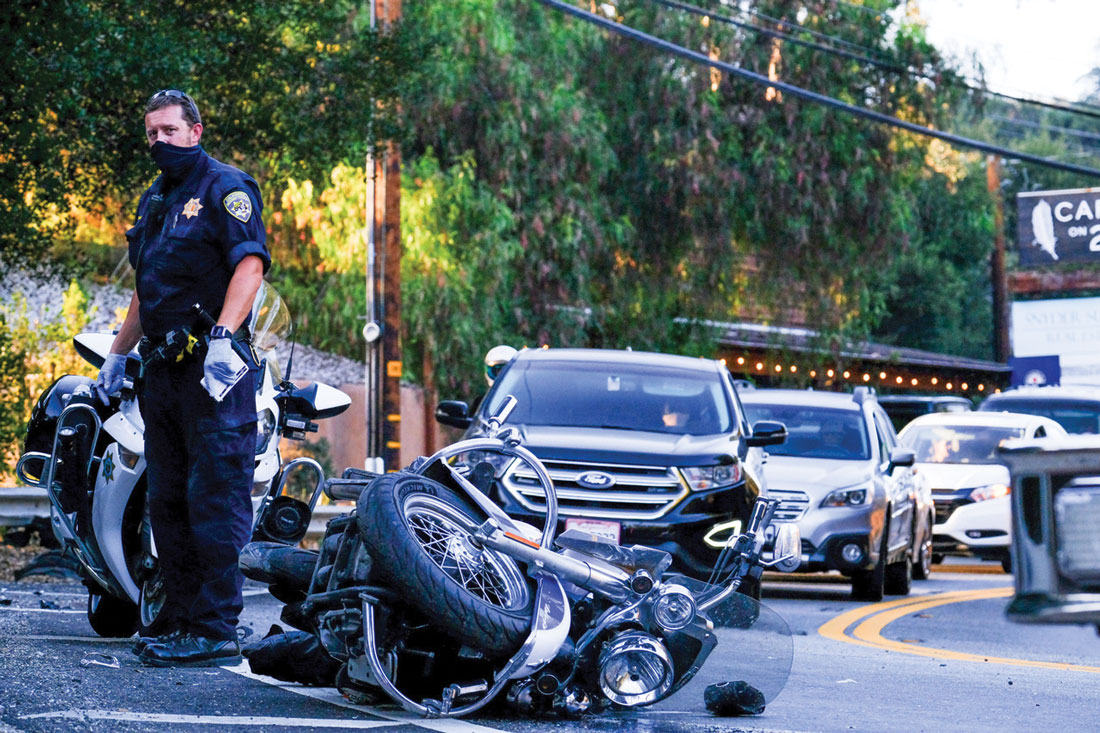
(192, 651)
(144, 641)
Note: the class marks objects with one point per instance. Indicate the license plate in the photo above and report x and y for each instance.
(598, 527)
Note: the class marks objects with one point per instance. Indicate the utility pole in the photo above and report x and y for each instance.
(383, 283)
(997, 261)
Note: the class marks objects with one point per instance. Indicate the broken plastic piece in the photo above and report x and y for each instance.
(96, 659)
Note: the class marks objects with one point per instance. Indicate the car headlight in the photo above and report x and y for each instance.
(470, 459)
(265, 428)
(701, 478)
(992, 491)
(852, 496)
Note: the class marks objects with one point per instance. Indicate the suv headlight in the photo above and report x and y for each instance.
(701, 478)
(470, 459)
(851, 496)
(992, 491)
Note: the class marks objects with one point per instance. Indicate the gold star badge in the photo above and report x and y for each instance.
(191, 208)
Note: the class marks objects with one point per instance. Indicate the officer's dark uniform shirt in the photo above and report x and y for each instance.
(188, 240)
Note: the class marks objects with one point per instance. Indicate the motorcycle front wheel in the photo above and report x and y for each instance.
(153, 596)
(419, 534)
(111, 617)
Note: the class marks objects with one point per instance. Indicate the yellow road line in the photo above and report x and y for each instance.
(876, 617)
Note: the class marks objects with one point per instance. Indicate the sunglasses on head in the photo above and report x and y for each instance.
(177, 94)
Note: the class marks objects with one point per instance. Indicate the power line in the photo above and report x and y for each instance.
(669, 47)
(1068, 131)
(879, 63)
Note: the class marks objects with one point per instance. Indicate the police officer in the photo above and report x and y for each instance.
(198, 238)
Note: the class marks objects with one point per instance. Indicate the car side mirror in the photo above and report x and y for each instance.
(901, 457)
(767, 432)
(454, 413)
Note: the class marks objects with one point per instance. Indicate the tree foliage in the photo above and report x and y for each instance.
(285, 89)
(649, 194)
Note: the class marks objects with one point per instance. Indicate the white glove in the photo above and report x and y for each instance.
(110, 376)
(219, 366)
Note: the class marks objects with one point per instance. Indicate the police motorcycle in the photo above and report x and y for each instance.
(89, 457)
(428, 595)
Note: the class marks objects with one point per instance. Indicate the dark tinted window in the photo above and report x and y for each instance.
(816, 432)
(629, 397)
(1075, 417)
(901, 413)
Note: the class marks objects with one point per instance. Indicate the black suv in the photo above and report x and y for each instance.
(643, 448)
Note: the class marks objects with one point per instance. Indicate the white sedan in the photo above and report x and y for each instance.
(957, 453)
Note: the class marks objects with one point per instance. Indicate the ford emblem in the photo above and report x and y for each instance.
(595, 480)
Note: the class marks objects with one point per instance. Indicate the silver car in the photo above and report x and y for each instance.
(852, 490)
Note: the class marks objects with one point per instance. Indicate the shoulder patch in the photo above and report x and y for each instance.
(238, 205)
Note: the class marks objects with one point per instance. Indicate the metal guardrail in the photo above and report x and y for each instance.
(21, 505)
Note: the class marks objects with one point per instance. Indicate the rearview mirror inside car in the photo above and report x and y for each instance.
(453, 413)
(767, 432)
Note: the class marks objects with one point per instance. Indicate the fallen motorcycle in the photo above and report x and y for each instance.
(90, 459)
(428, 595)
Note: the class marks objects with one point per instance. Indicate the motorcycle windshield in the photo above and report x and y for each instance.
(750, 662)
(270, 324)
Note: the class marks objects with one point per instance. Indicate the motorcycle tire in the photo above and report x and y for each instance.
(111, 617)
(418, 532)
(154, 622)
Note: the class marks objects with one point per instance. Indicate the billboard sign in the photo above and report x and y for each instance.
(1058, 226)
(1066, 328)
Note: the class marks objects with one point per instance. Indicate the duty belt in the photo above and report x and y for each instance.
(180, 344)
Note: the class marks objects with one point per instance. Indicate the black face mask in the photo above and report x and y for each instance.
(174, 161)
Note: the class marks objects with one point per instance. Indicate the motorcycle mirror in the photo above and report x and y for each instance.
(787, 549)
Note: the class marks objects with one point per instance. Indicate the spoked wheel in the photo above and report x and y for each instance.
(420, 535)
(111, 617)
(444, 533)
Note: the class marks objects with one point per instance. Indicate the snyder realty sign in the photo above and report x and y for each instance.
(1068, 328)
(1058, 226)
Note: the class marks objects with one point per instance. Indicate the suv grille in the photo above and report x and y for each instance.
(638, 492)
(945, 508)
(792, 504)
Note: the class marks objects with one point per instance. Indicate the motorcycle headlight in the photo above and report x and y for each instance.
(701, 478)
(992, 491)
(674, 608)
(851, 496)
(265, 428)
(498, 461)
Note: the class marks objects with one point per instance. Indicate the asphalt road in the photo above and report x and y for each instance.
(942, 659)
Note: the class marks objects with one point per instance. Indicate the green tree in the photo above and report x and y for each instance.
(286, 89)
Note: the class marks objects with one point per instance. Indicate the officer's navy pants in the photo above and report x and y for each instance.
(200, 457)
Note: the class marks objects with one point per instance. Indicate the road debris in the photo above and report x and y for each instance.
(97, 659)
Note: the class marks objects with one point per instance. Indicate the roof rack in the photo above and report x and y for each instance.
(862, 393)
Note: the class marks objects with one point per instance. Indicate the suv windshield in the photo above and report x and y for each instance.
(958, 444)
(816, 432)
(623, 396)
(1079, 417)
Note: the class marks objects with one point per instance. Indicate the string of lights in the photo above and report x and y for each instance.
(759, 365)
(878, 63)
(796, 91)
